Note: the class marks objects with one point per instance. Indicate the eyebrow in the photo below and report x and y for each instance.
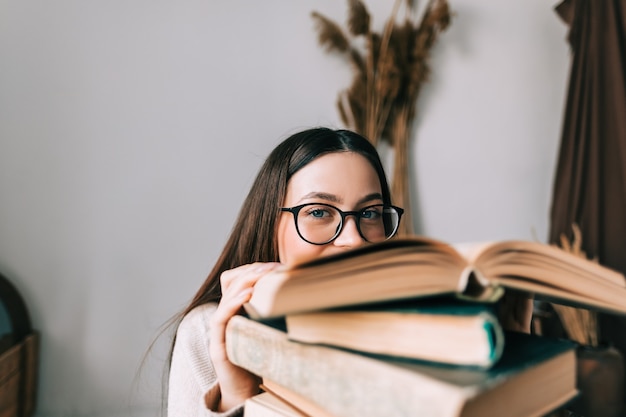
(335, 199)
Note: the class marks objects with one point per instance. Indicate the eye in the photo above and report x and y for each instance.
(319, 212)
(371, 213)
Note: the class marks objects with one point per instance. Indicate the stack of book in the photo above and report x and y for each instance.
(407, 327)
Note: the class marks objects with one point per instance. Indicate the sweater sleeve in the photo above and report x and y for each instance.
(193, 387)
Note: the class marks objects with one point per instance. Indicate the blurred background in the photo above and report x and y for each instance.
(130, 132)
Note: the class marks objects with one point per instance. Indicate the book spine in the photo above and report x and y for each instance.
(344, 383)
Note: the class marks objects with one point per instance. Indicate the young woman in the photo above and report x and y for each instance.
(319, 192)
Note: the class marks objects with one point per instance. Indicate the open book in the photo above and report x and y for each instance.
(419, 267)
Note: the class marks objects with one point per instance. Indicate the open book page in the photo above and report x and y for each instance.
(394, 269)
(548, 272)
(538, 255)
(491, 257)
(471, 250)
(478, 286)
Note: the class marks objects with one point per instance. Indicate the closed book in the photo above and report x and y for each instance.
(417, 329)
(267, 404)
(302, 404)
(534, 376)
(422, 267)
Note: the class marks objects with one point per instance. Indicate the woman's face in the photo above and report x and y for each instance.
(345, 180)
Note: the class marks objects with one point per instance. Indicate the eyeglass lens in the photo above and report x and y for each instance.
(320, 223)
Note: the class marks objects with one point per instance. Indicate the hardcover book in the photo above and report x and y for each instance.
(267, 404)
(420, 267)
(418, 329)
(303, 405)
(534, 376)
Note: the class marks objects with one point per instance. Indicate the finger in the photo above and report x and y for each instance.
(245, 279)
(239, 283)
(226, 309)
(227, 278)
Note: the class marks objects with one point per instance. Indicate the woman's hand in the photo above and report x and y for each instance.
(236, 384)
(515, 312)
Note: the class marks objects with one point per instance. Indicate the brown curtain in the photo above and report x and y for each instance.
(590, 181)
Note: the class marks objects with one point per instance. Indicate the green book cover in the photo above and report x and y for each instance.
(416, 328)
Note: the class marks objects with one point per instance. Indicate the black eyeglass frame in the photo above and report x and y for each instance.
(295, 210)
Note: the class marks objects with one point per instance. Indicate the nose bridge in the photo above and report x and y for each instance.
(350, 229)
(356, 218)
(351, 213)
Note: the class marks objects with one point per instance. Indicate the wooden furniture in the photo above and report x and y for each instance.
(19, 356)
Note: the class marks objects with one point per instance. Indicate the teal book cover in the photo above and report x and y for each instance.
(521, 351)
(441, 329)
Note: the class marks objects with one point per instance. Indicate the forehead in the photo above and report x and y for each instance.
(346, 175)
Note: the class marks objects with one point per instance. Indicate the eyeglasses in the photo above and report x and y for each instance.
(319, 223)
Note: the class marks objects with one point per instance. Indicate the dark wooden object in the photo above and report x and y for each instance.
(19, 357)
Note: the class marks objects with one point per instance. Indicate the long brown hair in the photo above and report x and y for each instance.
(253, 237)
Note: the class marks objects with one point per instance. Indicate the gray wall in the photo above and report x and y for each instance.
(130, 132)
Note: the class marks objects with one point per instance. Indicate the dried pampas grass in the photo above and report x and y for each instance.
(388, 72)
(581, 325)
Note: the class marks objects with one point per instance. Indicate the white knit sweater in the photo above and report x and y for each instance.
(193, 388)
